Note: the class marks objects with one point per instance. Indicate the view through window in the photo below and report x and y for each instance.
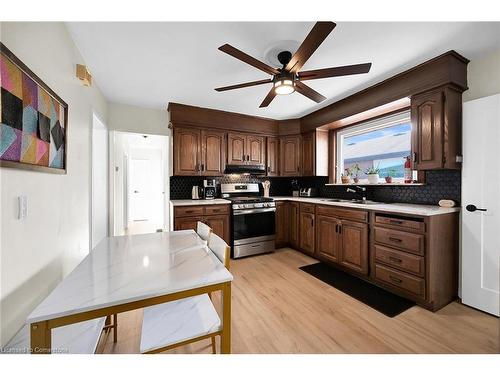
(382, 144)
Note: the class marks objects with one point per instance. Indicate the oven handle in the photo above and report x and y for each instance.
(254, 211)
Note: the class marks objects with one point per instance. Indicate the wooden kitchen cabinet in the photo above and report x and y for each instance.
(186, 151)
(290, 155)
(273, 151)
(199, 152)
(282, 223)
(307, 233)
(314, 153)
(246, 149)
(328, 240)
(213, 153)
(354, 246)
(436, 118)
(215, 216)
(293, 209)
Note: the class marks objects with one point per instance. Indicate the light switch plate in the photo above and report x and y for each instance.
(23, 206)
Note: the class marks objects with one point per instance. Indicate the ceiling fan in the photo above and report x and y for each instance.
(288, 79)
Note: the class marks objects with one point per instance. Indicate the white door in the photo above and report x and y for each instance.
(99, 215)
(481, 204)
(140, 186)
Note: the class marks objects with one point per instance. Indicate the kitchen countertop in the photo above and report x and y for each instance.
(197, 202)
(402, 208)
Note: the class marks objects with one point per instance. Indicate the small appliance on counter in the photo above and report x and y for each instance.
(209, 189)
(295, 188)
(197, 192)
(307, 192)
(266, 185)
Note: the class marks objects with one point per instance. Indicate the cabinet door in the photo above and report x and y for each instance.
(281, 224)
(290, 156)
(308, 153)
(293, 208)
(427, 130)
(213, 153)
(306, 236)
(354, 246)
(186, 152)
(256, 150)
(219, 225)
(184, 223)
(273, 156)
(327, 237)
(236, 149)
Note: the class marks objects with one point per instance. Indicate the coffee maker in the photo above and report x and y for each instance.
(209, 189)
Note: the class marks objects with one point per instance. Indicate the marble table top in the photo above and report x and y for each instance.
(131, 268)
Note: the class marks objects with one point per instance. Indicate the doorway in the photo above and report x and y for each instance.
(140, 188)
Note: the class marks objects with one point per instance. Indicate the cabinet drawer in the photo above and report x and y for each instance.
(217, 209)
(409, 283)
(188, 211)
(407, 241)
(400, 260)
(307, 207)
(342, 212)
(403, 223)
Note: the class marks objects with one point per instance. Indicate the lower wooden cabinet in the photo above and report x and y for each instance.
(328, 241)
(307, 233)
(354, 249)
(293, 210)
(282, 223)
(215, 216)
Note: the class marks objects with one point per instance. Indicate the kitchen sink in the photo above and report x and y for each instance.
(355, 201)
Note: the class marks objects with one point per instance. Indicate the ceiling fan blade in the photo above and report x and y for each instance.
(268, 99)
(241, 85)
(335, 72)
(240, 55)
(309, 92)
(312, 41)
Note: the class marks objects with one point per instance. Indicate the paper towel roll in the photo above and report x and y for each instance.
(448, 203)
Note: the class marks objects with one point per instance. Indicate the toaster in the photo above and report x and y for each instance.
(307, 192)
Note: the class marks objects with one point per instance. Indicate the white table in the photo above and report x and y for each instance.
(130, 272)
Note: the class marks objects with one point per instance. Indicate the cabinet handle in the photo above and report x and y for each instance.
(340, 228)
(395, 260)
(394, 239)
(414, 157)
(395, 279)
(399, 222)
(202, 167)
(268, 168)
(336, 228)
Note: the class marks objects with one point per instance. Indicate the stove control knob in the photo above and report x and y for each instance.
(236, 206)
(248, 206)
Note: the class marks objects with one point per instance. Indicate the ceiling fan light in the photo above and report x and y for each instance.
(284, 87)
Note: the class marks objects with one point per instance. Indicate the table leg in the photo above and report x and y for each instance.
(41, 338)
(225, 342)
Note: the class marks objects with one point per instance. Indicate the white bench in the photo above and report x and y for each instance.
(78, 338)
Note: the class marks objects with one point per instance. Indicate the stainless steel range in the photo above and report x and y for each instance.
(253, 219)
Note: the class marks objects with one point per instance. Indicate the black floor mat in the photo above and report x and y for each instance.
(385, 302)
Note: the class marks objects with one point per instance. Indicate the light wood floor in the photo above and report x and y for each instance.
(278, 308)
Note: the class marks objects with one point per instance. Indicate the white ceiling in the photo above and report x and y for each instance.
(151, 64)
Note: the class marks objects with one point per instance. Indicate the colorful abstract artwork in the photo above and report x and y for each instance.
(33, 119)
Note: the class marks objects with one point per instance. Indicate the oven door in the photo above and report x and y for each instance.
(253, 225)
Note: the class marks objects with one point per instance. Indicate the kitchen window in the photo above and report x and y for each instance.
(383, 143)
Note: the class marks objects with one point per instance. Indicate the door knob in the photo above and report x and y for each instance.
(472, 208)
(136, 191)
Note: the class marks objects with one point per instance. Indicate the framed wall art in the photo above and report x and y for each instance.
(33, 119)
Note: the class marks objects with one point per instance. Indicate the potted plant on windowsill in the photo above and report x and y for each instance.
(346, 176)
(373, 174)
(390, 174)
(355, 172)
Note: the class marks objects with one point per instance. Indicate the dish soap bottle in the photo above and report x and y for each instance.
(408, 175)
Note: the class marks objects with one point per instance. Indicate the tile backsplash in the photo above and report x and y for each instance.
(442, 184)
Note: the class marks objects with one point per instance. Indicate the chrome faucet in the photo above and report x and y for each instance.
(362, 191)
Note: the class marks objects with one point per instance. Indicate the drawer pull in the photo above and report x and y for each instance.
(399, 222)
(189, 211)
(395, 260)
(394, 239)
(395, 279)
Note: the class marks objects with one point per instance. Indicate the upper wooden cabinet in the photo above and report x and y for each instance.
(245, 149)
(187, 151)
(290, 155)
(213, 153)
(436, 118)
(273, 151)
(315, 153)
(199, 152)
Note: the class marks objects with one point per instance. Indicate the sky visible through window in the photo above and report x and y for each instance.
(391, 130)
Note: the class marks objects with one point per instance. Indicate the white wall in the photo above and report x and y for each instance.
(483, 76)
(37, 252)
(138, 120)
